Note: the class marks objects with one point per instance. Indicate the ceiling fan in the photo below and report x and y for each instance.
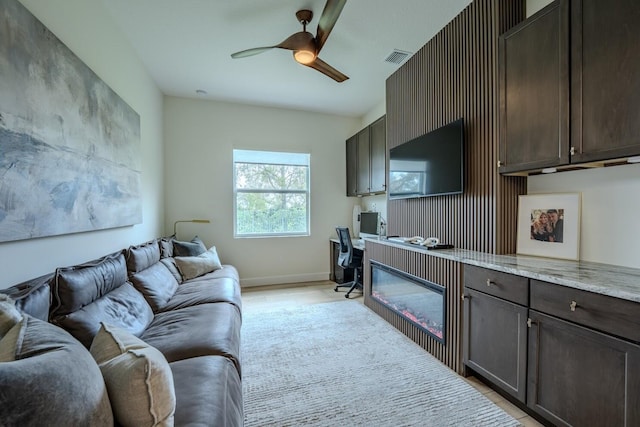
(305, 47)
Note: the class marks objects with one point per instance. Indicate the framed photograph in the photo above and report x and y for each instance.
(549, 225)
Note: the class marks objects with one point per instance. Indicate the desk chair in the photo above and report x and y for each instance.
(349, 258)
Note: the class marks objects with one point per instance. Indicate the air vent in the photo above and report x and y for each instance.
(397, 56)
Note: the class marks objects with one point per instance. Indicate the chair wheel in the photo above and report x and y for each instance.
(335, 289)
(346, 296)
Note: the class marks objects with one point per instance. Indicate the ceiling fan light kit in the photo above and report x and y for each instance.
(305, 47)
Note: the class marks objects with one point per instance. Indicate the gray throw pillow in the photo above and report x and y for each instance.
(191, 267)
(51, 380)
(193, 248)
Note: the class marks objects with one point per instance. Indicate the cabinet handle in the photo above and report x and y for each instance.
(573, 305)
(489, 282)
(464, 297)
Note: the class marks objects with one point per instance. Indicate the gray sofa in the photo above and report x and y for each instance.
(160, 296)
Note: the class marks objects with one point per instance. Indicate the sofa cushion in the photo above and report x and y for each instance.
(170, 263)
(33, 296)
(208, 392)
(138, 378)
(166, 246)
(77, 286)
(142, 256)
(156, 283)
(195, 266)
(52, 380)
(206, 291)
(193, 248)
(201, 330)
(227, 271)
(124, 307)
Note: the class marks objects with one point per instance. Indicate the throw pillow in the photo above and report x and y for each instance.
(9, 314)
(191, 267)
(193, 248)
(138, 377)
(50, 379)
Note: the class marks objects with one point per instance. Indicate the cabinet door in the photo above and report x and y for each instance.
(604, 82)
(581, 377)
(352, 166)
(378, 153)
(364, 168)
(534, 91)
(495, 340)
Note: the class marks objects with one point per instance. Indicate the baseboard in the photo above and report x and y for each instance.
(279, 280)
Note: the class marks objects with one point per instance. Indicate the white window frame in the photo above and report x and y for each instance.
(251, 156)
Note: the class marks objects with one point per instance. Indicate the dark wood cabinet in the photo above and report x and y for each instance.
(580, 377)
(495, 341)
(568, 82)
(352, 166)
(571, 356)
(605, 83)
(378, 153)
(366, 160)
(534, 91)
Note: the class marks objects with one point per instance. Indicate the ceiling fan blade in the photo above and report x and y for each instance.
(328, 70)
(328, 19)
(293, 42)
(297, 41)
(251, 52)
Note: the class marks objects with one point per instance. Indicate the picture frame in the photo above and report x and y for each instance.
(549, 225)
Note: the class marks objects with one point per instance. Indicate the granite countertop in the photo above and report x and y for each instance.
(605, 279)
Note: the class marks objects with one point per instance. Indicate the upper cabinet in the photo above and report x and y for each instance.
(534, 91)
(605, 79)
(366, 160)
(568, 84)
(378, 154)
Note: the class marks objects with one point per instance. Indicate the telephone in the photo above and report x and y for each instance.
(419, 240)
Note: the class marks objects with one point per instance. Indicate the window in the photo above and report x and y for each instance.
(271, 193)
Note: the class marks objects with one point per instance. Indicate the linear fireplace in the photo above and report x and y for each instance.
(417, 300)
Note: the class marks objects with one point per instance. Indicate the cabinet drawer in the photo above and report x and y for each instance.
(601, 312)
(502, 285)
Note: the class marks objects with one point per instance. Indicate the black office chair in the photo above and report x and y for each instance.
(349, 258)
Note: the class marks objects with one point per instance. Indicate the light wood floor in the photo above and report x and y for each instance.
(267, 298)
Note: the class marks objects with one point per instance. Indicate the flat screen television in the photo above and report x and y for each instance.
(429, 165)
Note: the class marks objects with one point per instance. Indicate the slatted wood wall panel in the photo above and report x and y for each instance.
(455, 75)
(437, 270)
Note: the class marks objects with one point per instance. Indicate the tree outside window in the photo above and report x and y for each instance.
(271, 194)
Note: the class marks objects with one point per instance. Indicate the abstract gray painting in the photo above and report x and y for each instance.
(69, 145)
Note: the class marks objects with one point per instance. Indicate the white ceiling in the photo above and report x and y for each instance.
(186, 46)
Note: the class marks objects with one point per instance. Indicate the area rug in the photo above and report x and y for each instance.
(339, 364)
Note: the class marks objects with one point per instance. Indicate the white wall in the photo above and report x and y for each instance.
(200, 137)
(85, 27)
(535, 5)
(610, 230)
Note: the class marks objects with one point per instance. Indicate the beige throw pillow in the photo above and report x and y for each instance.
(9, 314)
(138, 377)
(194, 266)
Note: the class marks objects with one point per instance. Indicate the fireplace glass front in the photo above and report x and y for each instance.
(419, 301)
